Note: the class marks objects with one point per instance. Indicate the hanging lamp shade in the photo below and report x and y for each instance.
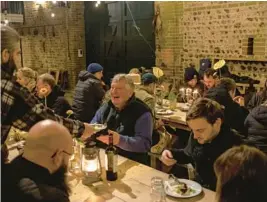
(158, 72)
(219, 64)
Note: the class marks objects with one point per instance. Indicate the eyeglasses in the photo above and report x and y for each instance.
(63, 152)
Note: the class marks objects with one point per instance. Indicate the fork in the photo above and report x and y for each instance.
(176, 179)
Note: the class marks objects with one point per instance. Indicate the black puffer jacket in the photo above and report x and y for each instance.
(234, 114)
(256, 121)
(88, 96)
(57, 102)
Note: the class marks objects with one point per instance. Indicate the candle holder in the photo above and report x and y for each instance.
(196, 94)
(188, 95)
(91, 165)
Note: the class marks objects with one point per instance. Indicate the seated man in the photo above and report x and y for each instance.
(128, 118)
(235, 113)
(39, 173)
(209, 139)
(210, 78)
(145, 92)
(89, 93)
(51, 95)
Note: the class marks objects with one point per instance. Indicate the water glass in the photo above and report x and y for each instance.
(157, 193)
(75, 159)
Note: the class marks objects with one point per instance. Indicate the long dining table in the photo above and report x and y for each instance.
(177, 117)
(133, 184)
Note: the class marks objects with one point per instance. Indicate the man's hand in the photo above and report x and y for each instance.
(105, 138)
(88, 131)
(239, 100)
(167, 158)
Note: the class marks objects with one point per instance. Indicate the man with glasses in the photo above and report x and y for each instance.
(39, 173)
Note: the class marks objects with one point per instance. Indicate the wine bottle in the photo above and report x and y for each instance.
(111, 160)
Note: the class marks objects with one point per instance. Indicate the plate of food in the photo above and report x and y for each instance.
(182, 189)
(164, 112)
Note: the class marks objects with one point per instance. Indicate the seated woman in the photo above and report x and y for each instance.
(241, 175)
(27, 77)
(191, 78)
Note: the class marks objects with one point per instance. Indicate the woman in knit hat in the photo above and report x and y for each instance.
(191, 78)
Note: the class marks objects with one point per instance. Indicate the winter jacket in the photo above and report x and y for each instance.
(57, 102)
(146, 97)
(256, 121)
(257, 99)
(88, 96)
(203, 156)
(234, 114)
(32, 183)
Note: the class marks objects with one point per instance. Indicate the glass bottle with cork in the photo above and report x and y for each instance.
(111, 160)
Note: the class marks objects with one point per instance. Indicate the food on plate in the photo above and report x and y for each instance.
(184, 190)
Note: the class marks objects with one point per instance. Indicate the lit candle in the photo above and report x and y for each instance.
(89, 165)
(182, 91)
(188, 91)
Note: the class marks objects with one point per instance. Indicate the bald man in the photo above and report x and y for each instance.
(39, 173)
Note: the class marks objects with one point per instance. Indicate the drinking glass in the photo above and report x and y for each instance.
(75, 159)
(157, 193)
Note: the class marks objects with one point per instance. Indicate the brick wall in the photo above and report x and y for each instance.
(218, 30)
(53, 43)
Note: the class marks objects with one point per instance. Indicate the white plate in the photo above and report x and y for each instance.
(170, 189)
(164, 112)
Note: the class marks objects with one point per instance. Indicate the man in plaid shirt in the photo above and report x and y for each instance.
(19, 107)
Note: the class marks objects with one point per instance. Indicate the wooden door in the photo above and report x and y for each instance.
(113, 40)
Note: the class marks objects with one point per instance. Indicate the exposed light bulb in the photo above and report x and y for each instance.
(96, 5)
(54, 2)
(40, 2)
(52, 15)
(6, 22)
(98, 2)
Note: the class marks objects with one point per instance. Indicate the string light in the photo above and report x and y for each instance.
(52, 15)
(97, 3)
(6, 22)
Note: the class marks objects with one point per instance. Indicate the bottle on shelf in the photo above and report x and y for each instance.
(111, 160)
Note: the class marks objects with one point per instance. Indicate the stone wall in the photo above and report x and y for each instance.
(52, 43)
(217, 30)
